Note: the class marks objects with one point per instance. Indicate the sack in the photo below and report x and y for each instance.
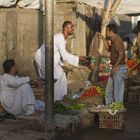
(7, 3)
(34, 4)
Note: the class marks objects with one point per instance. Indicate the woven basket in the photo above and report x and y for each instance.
(113, 122)
(79, 73)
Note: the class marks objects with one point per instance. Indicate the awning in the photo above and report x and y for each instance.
(126, 6)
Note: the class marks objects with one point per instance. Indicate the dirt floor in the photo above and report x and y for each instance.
(23, 135)
(131, 131)
(23, 129)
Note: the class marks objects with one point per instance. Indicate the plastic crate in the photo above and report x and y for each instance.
(116, 121)
(86, 119)
(67, 125)
(133, 95)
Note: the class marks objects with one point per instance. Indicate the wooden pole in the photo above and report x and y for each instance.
(49, 78)
(108, 13)
(106, 16)
(115, 5)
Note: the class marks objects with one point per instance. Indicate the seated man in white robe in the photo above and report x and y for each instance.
(60, 55)
(16, 95)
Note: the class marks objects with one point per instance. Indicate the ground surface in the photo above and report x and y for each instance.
(131, 130)
(20, 130)
(23, 129)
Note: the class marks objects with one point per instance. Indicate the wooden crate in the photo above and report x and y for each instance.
(133, 95)
(107, 120)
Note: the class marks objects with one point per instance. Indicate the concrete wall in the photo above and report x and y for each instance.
(87, 21)
(20, 36)
(65, 10)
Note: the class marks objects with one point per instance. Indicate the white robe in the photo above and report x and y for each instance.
(60, 86)
(40, 61)
(16, 95)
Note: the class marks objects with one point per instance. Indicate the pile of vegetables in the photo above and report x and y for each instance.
(116, 106)
(93, 91)
(74, 107)
(138, 60)
(60, 107)
(100, 90)
(131, 64)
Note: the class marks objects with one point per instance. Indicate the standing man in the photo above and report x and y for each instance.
(115, 86)
(60, 55)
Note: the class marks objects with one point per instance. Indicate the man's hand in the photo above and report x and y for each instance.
(114, 69)
(65, 68)
(36, 81)
(100, 35)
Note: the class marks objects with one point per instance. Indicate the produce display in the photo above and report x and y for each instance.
(61, 108)
(131, 64)
(73, 107)
(93, 91)
(100, 90)
(138, 60)
(116, 106)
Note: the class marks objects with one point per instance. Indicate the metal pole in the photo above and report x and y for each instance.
(49, 72)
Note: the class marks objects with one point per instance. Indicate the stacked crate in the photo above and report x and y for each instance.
(86, 119)
(133, 95)
(67, 124)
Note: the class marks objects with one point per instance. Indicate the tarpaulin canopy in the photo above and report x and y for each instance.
(125, 7)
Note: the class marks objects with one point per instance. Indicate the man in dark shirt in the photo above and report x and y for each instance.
(115, 87)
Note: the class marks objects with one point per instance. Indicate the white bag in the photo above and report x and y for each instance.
(7, 3)
(30, 4)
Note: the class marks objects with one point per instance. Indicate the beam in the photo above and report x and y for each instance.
(49, 72)
(115, 5)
